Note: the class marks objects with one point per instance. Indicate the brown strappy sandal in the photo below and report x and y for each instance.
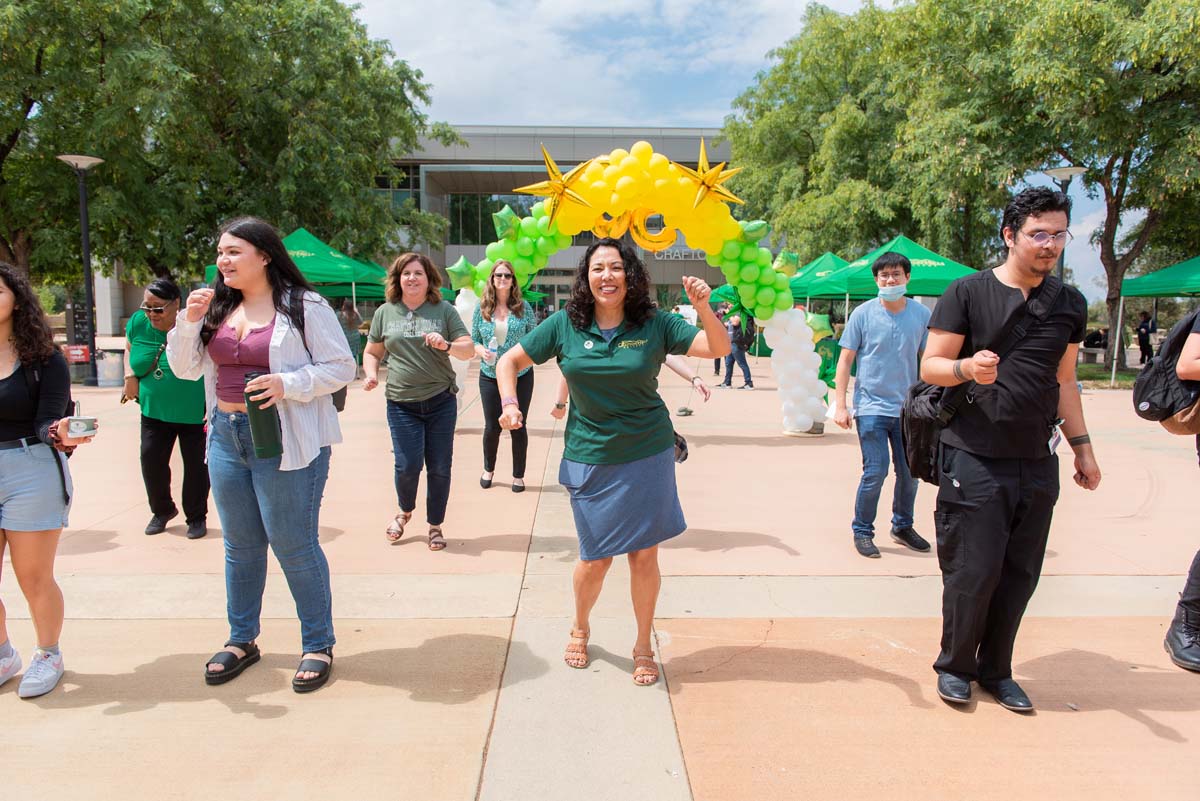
(436, 541)
(645, 669)
(395, 529)
(576, 655)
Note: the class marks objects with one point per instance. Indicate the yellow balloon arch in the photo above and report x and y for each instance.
(618, 192)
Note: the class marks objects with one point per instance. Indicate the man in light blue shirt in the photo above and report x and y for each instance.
(886, 335)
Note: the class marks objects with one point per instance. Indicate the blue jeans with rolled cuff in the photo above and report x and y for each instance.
(261, 505)
(875, 434)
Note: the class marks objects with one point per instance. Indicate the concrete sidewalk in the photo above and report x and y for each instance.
(792, 667)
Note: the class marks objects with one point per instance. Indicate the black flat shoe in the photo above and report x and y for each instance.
(158, 525)
(1009, 695)
(518, 487)
(952, 689)
(485, 482)
(233, 664)
(318, 666)
(197, 529)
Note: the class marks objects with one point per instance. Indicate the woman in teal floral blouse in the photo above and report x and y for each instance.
(502, 318)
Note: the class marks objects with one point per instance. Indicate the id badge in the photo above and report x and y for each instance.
(1055, 439)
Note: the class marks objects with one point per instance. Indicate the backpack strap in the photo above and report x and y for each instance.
(1015, 330)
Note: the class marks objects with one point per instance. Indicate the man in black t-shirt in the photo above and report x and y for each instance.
(999, 474)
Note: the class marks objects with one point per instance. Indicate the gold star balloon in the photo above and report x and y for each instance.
(557, 188)
(709, 179)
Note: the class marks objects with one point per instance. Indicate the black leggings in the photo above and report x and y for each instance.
(489, 396)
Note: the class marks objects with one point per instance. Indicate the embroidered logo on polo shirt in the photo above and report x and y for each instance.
(588, 345)
(632, 343)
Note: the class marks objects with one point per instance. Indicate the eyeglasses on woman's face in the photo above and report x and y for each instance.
(505, 276)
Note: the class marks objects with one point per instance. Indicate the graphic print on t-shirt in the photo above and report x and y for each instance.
(412, 326)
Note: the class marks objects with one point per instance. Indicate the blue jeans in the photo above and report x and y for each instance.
(737, 354)
(875, 432)
(261, 505)
(423, 434)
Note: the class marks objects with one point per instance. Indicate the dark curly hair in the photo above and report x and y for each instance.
(1033, 202)
(282, 273)
(31, 334)
(638, 307)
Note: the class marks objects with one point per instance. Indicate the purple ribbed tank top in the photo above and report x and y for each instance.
(234, 359)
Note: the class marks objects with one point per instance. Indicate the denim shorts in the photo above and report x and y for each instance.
(31, 492)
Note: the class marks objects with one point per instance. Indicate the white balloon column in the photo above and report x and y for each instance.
(466, 303)
(795, 362)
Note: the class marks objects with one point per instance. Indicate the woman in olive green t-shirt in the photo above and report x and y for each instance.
(419, 332)
(610, 343)
(171, 409)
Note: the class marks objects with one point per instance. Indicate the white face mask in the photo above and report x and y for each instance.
(893, 292)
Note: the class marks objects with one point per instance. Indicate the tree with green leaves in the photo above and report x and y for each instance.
(966, 100)
(202, 110)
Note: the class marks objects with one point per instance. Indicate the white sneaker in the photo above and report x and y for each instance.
(10, 666)
(42, 676)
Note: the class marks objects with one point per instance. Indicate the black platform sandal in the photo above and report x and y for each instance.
(232, 663)
(318, 666)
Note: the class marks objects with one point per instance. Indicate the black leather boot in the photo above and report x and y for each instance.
(1183, 639)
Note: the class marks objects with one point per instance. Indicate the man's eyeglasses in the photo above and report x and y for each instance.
(154, 309)
(1041, 238)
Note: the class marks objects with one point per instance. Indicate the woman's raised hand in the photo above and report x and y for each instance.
(697, 290)
(197, 304)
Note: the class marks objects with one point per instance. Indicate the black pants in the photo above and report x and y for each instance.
(1147, 351)
(158, 440)
(1189, 599)
(489, 396)
(992, 521)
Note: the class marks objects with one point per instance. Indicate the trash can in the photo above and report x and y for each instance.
(110, 368)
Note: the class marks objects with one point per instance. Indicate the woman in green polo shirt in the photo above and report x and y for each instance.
(171, 409)
(610, 343)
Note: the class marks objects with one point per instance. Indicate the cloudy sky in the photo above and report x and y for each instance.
(623, 62)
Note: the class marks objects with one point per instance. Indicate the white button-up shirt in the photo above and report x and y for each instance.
(306, 415)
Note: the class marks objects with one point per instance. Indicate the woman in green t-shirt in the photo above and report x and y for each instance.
(419, 332)
(171, 409)
(610, 343)
(500, 320)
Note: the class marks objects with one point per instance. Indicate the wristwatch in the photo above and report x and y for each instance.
(560, 406)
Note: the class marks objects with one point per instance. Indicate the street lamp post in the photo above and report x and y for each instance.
(81, 165)
(1062, 176)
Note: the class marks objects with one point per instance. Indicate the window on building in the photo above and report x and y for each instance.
(401, 185)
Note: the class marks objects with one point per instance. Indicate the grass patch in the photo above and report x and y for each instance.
(1097, 376)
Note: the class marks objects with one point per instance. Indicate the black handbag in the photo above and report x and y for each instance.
(929, 408)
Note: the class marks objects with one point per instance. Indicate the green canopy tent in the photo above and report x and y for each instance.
(329, 270)
(820, 267)
(931, 273)
(1177, 281)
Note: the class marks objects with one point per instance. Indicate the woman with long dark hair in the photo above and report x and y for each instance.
(35, 482)
(500, 321)
(419, 332)
(261, 316)
(171, 409)
(610, 343)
